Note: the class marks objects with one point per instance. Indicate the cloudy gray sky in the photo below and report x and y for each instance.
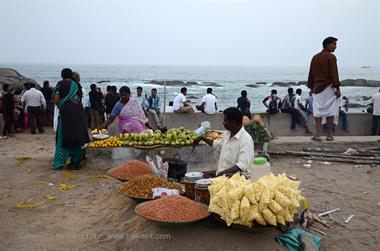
(193, 32)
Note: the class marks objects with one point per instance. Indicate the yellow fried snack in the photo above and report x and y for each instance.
(258, 188)
(269, 217)
(260, 219)
(244, 208)
(235, 210)
(274, 206)
(253, 212)
(264, 199)
(250, 194)
(280, 219)
(282, 199)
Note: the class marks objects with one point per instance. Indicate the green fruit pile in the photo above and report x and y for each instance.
(173, 137)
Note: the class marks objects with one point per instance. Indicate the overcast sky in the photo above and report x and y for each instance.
(258, 33)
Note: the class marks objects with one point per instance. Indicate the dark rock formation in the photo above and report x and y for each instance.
(15, 79)
(281, 84)
(252, 85)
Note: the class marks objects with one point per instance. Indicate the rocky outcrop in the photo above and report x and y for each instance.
(261, 83)
(211, 84)
(169, 82)
(280, 84)
(360, 82)
(252, 85)
(15, 79)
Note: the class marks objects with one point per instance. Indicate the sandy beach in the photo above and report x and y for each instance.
(94, 216)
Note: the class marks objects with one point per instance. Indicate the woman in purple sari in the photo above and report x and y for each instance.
(132, 118)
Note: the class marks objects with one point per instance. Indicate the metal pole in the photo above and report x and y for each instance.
(165, 103)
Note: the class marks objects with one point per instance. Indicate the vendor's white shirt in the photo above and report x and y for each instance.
(210, 101)
(178, 101)
(238, 150)
(376, 104)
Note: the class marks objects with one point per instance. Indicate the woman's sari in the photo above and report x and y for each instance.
(132, 118)
(71, 132)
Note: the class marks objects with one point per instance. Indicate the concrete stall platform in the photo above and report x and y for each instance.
(360, 124)
(204, 156)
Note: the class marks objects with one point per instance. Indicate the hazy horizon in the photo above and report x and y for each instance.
(188, 33)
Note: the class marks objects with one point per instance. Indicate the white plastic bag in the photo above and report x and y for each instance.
(205, 125)
(163, 168)
(55, 119)
(160, 191)
(152, 166)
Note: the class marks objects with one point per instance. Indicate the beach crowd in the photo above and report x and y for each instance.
(72, 113)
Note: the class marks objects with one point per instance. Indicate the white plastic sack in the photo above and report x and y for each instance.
(163, 168)
(152, 166)
(55, 119)
(160, 191)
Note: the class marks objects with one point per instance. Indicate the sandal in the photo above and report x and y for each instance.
(316, 138)
(330, 138)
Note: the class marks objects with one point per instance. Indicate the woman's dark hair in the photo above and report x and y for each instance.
(234, 114)
(18, 91)
(244, 93)
(5, 87)
(66, 73)
(209, 90)
(125, 89)
(183, 90)
(329, 40)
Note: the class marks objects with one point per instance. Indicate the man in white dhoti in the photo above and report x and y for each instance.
(324, 85)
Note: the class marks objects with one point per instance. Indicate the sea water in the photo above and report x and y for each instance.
(227, 81)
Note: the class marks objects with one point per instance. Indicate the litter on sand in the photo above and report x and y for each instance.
(6, 196)
(65, 187)
(100, 177)
(28, 204)
(23, 159)
(50, 197)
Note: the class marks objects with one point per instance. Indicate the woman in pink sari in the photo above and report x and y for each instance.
(132, 118)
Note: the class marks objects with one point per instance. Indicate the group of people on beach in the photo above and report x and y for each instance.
(74, 113)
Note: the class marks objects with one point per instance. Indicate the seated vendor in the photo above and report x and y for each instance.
(132, 118)
(236, 146)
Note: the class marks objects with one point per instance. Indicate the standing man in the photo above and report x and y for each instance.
(209, 103)
(111, 99)
(154, 106)
(33, 100)
(274, 102)
(97, 109)
(376, 113)
(141, 98)
(324, 84)
(8, 110)
(180, 105)
(236, 146)
(47, 91)
(244, 104)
